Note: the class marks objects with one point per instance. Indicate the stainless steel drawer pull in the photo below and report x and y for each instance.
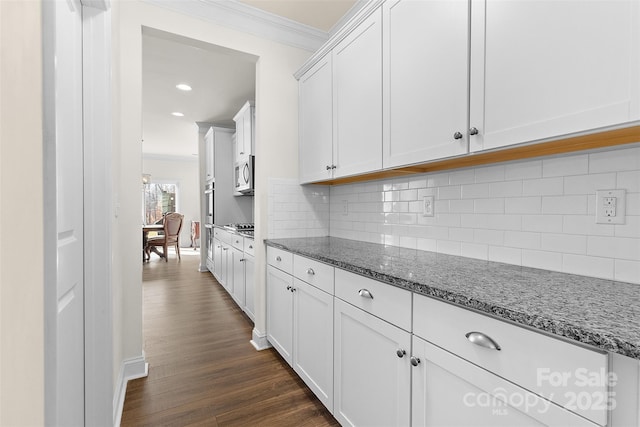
(478, 338)
(365, 293)
(278, 259)
(414, 361)
(400, 352)
(310, 271)
(250, 246)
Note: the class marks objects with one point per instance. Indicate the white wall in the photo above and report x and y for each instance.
(276, 146)
(21, 216)
(537, 213)
(185, 173)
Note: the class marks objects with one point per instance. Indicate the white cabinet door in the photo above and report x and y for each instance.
(313, 339)
(449, 391)
(316, 122)
(249, 274)
(371, 383)
(237, 277)
(357, 99)
(244, 132)
(227, 275)
(217, 260)
(280, 312)
(208, 155)
(543, 69)
(426, 80)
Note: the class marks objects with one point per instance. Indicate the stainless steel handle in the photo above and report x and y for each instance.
(400, 352)
(414, 361)
(242, 152)
(288, 287)
(473, 131)
(310, 271)
(224, 249)
(250, 246)
(457, 135)
(365, 293)
(333, 166)
(329, 168)
(278, 259)
(293, 289)
(242, 260)
(478, 338)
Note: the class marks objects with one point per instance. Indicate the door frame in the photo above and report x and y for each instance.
(98, 209)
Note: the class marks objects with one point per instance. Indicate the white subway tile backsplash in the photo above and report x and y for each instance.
(627, 271)
(538, 213)
(615, 160)
(588, 184)
(542, 259)
(565, 243)
(543, 187)
(588, 266)
(564, 205)
(565, 165)
(523, 170)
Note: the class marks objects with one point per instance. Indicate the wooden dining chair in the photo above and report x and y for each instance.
(171, 237)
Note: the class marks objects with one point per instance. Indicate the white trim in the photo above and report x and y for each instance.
(360, 15)
(248, 19)
(98, 320)
(259, 340)
(355, 9)
(131, 369)
(169, 158)
(103, 5)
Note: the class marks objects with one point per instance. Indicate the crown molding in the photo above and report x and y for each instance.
(357, 7)
(248, 19)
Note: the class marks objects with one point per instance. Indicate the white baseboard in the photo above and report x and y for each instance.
(131, 369)
(203, 268)
(259, 340)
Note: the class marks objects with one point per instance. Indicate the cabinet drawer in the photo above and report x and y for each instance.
(249, 246)
(280, 259)
(314, 273)
(380, 299)
(237, 242)
(564, 373)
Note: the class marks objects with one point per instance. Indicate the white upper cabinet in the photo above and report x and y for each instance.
(426, 66)
(543, 69)
(316, 122)
(357, 99)
(245, 131)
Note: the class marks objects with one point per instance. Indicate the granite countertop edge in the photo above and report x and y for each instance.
(573, 333)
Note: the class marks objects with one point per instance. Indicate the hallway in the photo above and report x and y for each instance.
(202, 369)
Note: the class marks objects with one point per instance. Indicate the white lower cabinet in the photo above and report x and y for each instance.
(449, 391)
(237, 279)
(371, 369)
(300, 328)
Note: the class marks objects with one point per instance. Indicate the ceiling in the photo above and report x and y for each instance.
(222, 79)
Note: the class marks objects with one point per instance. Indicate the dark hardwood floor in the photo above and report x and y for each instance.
(202, 369)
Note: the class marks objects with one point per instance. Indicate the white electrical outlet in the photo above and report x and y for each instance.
(610, 206)
(345, 207)
(428, 206)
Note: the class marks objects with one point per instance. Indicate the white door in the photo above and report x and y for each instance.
(543, 69)
(316, 122)
(426, 60)
(67, 217)
(280, 312)
(371, 379)
(313, 339)
(357, 99)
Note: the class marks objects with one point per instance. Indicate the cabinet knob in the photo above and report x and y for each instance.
(328, 167)
(400, 352)
(457, 135)
(365, 293)
(241, 153)
(333, 166)
(224, 249)
(288, 288)
(414, 361)
(310, 271)
(478, 338)
(278, 259)
(250, 246)
(242, 260)
(473, 131)
(293, 289)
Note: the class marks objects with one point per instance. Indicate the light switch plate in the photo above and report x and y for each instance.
(610, 206)
(428, 206)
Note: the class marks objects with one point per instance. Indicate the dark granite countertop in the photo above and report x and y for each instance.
(598, 312)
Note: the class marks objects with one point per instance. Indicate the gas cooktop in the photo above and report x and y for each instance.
(242, 226)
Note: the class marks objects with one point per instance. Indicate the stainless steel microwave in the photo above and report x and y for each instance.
(244, 179)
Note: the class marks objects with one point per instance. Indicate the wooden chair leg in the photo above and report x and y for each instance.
(166, 254)
(178, 251)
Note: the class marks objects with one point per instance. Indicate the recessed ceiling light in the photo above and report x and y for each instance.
(183, 86)
(177, 114)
